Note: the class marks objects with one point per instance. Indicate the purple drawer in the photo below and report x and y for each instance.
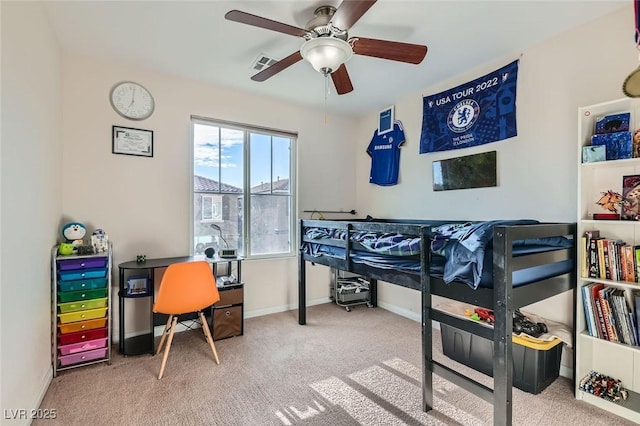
(82, 357)
(89, 345)
(82, 263)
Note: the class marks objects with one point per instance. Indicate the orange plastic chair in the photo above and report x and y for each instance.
(185, 288)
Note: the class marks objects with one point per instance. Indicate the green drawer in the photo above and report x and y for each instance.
(72, 296)
(82, 315)
(82, 305)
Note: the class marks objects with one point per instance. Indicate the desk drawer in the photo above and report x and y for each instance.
(230, 297)
(227, 322)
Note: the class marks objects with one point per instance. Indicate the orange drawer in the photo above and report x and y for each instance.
(82, 325)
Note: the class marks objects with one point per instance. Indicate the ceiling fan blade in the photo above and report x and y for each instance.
(349, 12)
(341, 80)
(393, 50)
(258, 21)
(277, 67)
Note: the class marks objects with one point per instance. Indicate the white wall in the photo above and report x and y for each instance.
(31, 201)
(143, 203)
(537, 170)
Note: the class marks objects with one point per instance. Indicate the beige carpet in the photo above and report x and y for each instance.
(342, 368)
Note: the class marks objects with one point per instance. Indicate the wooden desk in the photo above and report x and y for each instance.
(153, 269)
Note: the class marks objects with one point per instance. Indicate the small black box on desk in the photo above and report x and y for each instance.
(533, 368)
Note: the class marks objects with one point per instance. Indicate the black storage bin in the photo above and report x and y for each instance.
(533, 369)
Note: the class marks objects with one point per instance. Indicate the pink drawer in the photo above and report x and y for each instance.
(82, 357)
(89, 345)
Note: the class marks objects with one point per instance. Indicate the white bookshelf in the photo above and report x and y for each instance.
(617, 360)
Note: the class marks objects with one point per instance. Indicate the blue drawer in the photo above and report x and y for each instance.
(76, 285)
(80, 274)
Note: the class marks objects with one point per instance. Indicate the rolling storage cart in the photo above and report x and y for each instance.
(349, 289)
(80, 309)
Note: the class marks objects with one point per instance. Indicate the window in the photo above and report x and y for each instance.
(211, 207)
(243, 188)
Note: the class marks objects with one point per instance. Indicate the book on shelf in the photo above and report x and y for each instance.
(607, 313)
(588, 311)
(636, 298)
(624, 313)
(606, 216)
(609, 259)
(584, 258)
(598, 316)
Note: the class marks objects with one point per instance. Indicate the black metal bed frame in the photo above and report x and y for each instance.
(503, 299)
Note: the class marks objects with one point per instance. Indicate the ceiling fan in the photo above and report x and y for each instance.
(327, 43)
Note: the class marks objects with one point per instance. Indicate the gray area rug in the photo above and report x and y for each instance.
(342, 368)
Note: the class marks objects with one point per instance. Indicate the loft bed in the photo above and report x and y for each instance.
(501, 265)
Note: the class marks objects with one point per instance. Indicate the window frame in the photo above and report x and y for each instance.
(247, 194)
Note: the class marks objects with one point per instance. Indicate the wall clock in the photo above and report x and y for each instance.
(131, 100)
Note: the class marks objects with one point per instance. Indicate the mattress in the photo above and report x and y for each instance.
(461, 252)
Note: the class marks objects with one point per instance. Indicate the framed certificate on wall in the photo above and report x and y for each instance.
(385, 120)
(130, 141)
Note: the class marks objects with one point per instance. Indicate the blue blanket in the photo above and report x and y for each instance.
(463, 245)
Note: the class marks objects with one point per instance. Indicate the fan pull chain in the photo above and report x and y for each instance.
(326, 95)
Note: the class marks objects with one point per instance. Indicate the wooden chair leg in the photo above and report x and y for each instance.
(207, 335)
(164, 334)
(166, 350)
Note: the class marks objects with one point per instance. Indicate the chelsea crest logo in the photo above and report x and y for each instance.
(463, 115)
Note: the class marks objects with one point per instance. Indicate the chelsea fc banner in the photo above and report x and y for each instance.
(475, 113)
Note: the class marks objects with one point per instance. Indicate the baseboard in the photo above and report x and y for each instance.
(415, 316)
(566, 372)
(44, 387)
(283, 308)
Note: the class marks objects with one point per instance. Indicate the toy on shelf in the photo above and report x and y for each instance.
(99, 241)
(73, 233)
(65, 249)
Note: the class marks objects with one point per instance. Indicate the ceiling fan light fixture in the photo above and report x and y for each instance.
(326, 54)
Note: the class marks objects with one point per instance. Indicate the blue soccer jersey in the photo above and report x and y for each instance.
(385, 155)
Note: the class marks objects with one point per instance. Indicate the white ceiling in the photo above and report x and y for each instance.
(193, 40)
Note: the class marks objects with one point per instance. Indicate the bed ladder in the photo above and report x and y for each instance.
(501, 396)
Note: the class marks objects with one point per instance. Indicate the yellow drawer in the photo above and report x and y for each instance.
(82, 305)
(82, 315)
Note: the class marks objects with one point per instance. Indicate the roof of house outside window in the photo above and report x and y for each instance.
(280, 185)
(203, 184)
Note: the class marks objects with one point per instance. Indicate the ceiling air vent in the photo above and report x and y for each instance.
(262, 62)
